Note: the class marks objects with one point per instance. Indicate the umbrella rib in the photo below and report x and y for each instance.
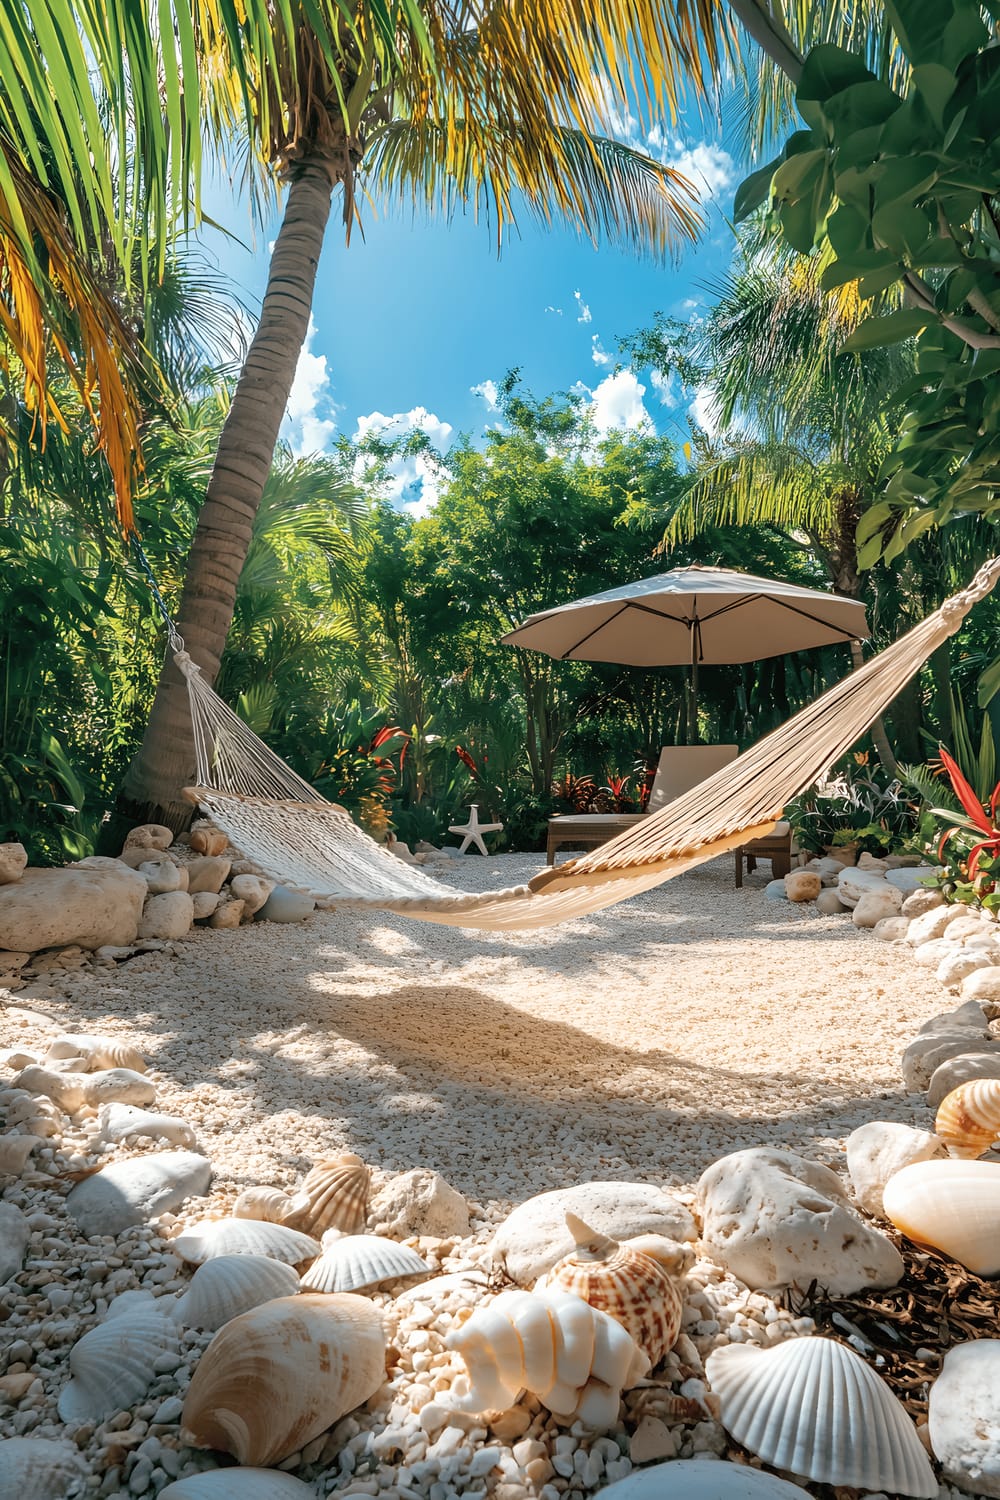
(629, 604)
(848, 635)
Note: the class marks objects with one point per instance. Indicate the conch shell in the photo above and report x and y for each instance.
(276, 1377)
(333, 1195)
(575, 1359)
(968, 1119)
(626, 1283)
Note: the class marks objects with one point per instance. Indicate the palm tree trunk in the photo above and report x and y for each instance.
(165, 760)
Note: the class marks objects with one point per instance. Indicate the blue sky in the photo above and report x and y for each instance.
(415, 324)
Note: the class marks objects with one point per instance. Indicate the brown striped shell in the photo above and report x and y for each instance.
(623, 1282)
(333, 1195)
(968, 1119)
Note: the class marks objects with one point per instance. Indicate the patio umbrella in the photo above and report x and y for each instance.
(692, 616)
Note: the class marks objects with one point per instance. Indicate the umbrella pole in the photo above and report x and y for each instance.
(693, 690)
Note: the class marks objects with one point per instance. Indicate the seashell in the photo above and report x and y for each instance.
(239, 1484)
(813, 1407)
(99, 1051)
(953, 1206)
(268, 1204)
(112, 1365)
(211, 1237)
(124, 1122)
(64, 1089)
(355, 1261)
(968, 1119)
(14, 1153)
(627, 1284)
(40, 1469)
(229, 1285)
(674, 1256)
(697, 1479)
(275, 1378)
(335, 1195)
(573, 1357)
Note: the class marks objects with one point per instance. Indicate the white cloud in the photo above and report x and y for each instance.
(710, 168)
(616, 404)
(557, 310)
(583, 311)
(598, 353)
(704, 411)
(487, 390)
(415, 478)
(309, 420)
(666, 387)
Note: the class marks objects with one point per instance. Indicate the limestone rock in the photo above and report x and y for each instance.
(204, 904)
(868, 861)
(826, 868)
(167, 916)
(984, 985)
(969, 1016)
(874, 906)
(890, 929)
(149, 836)
(141, 856)
(13, 862)
(161, 875)
(14, 1235)
(774, 1219)
(910, 878)
(956, 1070)
(852, 883)
(925, 1055)
(131, 1192)
(12, 963)
(226, 914)
(419, 1202)
(829, 903)
(920, 901)
(933, 924)
(931, 955)
(775, 890)
(94, 902)
(963, 1417)
(875, 1152)
(252, 890)
(208, 873)
(64, 1089)
(803, 885)
(652, 1439)
(534, 1236)
(117, 1086)
(283, 905)
(958, 966)
(205, 838)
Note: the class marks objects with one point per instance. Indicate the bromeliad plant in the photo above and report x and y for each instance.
(969, 848)
(860, 807)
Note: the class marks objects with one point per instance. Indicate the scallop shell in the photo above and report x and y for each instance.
(100, 1051)
(39, 1469)
(112, 1365)
(627, 1284)
(275, 1378)
(356, 1261)
(211, 1237)
(813, 1407)
(575, 1359)
(696, 1479)
(268, 1204)
(335, 1195)
(123, 1122)
(229, 1285)
(239, 1484)
(968, 1119)
(953, 1206)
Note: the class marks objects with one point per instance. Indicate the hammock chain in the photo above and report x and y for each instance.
(174, 637)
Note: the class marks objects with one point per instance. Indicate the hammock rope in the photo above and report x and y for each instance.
(309, 844)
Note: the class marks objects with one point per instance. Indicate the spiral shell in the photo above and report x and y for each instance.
(268, 1204)
(575, 1359)
(211, 1237)
(100, 1052)
(334, 1195)
(627, 1284)
(112, 1365)
(968, 1119)
(275, 1378)
(355, 1261)
(228, 1285)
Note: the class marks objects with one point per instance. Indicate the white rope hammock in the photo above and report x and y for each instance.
(282, 824)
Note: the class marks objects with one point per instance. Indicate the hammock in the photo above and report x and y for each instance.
(282, 824)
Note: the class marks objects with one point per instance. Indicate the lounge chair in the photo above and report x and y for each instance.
(777, 847)
(681, 767)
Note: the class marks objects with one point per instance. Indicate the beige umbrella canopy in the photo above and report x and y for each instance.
(692, 615)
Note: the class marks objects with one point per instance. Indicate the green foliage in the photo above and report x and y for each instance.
(860, 806)
(899, 186)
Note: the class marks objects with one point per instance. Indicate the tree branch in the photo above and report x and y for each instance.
(923, 296)
(771, 34)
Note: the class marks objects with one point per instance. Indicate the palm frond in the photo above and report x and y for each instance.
(751, 483)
